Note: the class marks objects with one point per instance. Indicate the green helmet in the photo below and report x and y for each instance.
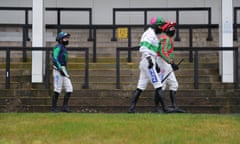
(157, 20)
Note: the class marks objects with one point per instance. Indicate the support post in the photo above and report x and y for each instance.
(38, 33)
(226, 40)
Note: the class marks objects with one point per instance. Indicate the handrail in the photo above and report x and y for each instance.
(59, 9)
(177, 10)
(47, 65)
(195, 49)
(190, 27)
(24, 27)
(235, 25)
(71, 9)
(95, 27)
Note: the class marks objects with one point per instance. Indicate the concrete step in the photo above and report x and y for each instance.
(118, 109)
(203, 58)
(127, 86)
(199, 35)
(130, 78)
(110, 105)
(193, 101)
(106, 65)
(12, 93)
(80, 38)
(218, 109)
(102, 96)
(119, 101)
(104, 84)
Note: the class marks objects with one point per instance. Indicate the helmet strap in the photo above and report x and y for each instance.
(64, 42)
(158, 29)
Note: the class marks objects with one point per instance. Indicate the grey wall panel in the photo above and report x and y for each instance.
(102, 11)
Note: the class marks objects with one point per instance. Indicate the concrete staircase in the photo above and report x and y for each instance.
(102, 95)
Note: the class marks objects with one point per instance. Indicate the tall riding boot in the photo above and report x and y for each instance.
(173, 100)
(54, 101)
(65, 102)
(157, 108)
(163, 102)
(134, 100)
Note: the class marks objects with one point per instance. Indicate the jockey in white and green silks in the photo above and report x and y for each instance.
(149, 46)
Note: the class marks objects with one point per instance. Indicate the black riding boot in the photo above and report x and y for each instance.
(157, 108)
(65, 102)
(163, 102)
(134, 100)
(173, 100)
(54, 101)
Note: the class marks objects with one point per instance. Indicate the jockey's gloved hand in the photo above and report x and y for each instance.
(61, 72)
(150, 63)
(174, 66)
(157, 68)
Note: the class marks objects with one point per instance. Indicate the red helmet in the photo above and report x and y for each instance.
(168, 25)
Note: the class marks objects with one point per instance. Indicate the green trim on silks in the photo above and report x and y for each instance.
(171, 55)
(165, 45)
(164, 48)
(56, 52)
(66, 56)
(149, 46)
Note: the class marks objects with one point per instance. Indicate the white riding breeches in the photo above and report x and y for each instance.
(147, 75)
(165, 69)
(60, 81)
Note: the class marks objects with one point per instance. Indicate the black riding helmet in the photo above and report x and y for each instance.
(62, 35)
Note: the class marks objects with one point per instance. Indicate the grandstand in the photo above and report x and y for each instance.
(104, 64)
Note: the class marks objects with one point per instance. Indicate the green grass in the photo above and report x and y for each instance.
(145, 128)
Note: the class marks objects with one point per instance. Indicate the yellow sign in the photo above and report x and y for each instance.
(122, 33)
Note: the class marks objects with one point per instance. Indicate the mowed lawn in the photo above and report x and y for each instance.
(122, 128)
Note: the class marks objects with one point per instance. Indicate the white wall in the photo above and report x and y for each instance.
(102, 11)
